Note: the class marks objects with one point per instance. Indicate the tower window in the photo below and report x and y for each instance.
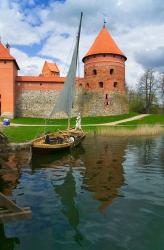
(106, 96)
(111, 71)
(101, 84)
(87, 85)
(94, 72)
(115, 84)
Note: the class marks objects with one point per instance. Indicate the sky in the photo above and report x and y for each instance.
(39, 30)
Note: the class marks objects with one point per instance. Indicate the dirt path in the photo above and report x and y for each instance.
(125, 120)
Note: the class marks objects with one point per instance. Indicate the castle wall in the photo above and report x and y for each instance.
(93, 103)
(39, 103)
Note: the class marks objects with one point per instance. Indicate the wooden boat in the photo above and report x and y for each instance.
(70, 137)
(59, 140)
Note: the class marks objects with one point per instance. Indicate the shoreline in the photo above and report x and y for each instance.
(117, 131)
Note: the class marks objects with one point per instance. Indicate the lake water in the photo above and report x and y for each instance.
(108, 194)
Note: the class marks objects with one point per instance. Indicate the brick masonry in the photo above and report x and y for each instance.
(40, 103)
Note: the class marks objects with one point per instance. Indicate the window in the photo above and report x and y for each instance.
(115, 84)
(87, 85)
(106, 100)
(40, 83)
(101, 84)
(94, 72)
(111, 71)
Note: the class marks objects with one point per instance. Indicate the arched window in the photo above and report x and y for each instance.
(115, 84)
(101, 84)
(94, 72)
(111, 71)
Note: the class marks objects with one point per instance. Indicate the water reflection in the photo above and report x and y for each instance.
(5, 242)
(66, 190)
(10, 170)
(104, 170)
(67, 194)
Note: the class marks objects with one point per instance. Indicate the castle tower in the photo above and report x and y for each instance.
(50, 69)
(104, 64)
(104, 75)
(8, 73)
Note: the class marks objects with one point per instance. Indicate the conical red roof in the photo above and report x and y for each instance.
(5, 54)
(104, 44)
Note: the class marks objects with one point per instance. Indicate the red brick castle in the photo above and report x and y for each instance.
(100, 92)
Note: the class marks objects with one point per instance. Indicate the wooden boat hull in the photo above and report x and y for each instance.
(40, 145)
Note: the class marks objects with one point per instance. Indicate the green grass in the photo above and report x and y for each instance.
(151, 120)
(26, 133)
(85, 120)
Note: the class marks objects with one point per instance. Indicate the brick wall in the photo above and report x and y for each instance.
(105, 73)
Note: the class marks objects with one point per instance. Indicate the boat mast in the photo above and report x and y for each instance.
(77, 52)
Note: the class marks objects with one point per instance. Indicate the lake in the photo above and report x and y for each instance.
(107, 194)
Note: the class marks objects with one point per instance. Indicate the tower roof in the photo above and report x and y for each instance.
(5, 54)
(104, 44)
(53, 67)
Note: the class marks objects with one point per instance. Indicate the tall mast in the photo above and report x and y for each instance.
(66, 99)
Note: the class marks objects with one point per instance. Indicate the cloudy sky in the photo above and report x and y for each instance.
(40, 30)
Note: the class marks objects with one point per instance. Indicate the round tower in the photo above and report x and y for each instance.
(104, 76)
(104, 65)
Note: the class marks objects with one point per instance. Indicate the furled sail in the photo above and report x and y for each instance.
(66, 99)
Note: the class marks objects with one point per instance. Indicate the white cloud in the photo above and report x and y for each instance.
(134, 26)
(29, 65)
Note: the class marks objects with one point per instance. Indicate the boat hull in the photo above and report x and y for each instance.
(55, 144)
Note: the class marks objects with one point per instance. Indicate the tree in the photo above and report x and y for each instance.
(147, 89)
(162, 88)
(136, 103)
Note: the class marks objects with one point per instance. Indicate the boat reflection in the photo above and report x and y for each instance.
(102, 160)
(67, 193)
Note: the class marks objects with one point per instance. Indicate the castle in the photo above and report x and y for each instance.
(100, 92)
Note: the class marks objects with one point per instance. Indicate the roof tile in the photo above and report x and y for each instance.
(104, 44)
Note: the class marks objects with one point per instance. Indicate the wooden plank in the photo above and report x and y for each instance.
(10, 211)
(5, 202)
(24, 214)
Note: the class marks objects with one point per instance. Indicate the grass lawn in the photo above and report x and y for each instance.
(85, 120)
(26, 133)
(151, 120)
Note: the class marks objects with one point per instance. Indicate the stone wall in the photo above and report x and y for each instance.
(40, 103)
(100, 104)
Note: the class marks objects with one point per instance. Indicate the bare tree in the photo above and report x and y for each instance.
(162, 88)
(147, 88)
